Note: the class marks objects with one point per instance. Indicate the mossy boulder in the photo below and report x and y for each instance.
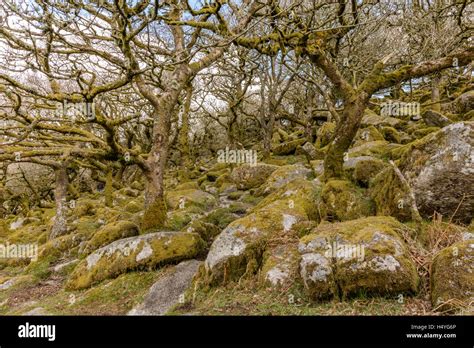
(367, 134)
(247, 176)
(280, 265)
(110, 233)
(133, 207)
(145, 251)
(288, 147)
(439, 168)
(465, 102)
(366, 170)
(379, 148)
(422, 132)
(390, 195)
(391, 134)
(85, 207)
(452, 276)
(433, 118)
(370, 118)
(282, 176)
(360, 257)
(177, 219)
(182, 199)
(325, 134)
(189, 185)
(341, 200)
(223, 179)
(310, 152)
(239, 249)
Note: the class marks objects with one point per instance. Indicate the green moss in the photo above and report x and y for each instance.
(325, 134)
(235, 195)
(379, 148)
(288, 148)
(223, 178)
(420, 133)
(110, 233)
(341, 200)
(109, 189)
(133, 207)
(452, 277)
(356, 277)
(191, 197)
(85, 207)
(190, 185)
(246, 176)
(390, 195)
(367, 169)
(177, 219)
(41, 269)
(300, 193)
(146, 251)
(391, 134)
(369, 133)
(207, 231)
(154, 216)
(221, 217)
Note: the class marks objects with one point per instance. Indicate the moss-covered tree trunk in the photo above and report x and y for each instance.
(109, 188)
(183, 137)
(435, 95)
(60, 196)
(344, 135)
(155, 207)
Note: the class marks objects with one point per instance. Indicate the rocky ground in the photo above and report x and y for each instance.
(394, 237)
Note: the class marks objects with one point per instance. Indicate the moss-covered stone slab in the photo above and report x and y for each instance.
(283, 176)
(452, 277)
(440, 170)
(182, 199)
(111, 232)
(250, 176)
(372, 119)
(360, 257)
(169, 290)
(288, 147)
(145, 251)
(378, 148)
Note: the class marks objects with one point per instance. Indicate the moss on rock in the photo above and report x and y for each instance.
(185, 198)
(390, 195)
(363, 256)
(282, 176)
(154, 216)
(325, 134)
(110, 233)
(288, 148)
(452, 277)
(247, 176)
(341, 200)
(366, 170)
(146, 251)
